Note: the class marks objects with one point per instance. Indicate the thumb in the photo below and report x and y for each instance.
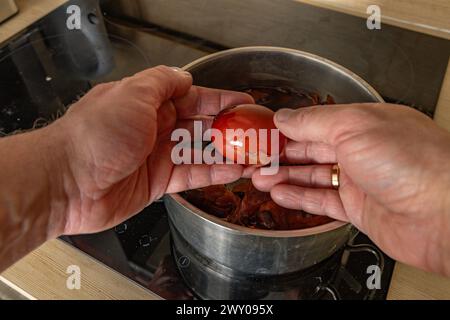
(318, 123)
(163, 83)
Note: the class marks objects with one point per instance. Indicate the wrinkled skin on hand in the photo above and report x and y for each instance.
(118, 146)
(395, 176)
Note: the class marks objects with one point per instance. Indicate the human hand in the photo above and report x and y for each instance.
(394, 180)
(118, 148)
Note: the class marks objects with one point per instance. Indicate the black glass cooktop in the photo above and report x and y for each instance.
(145, 250)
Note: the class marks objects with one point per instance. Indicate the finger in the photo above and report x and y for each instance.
(309, 152)
(317, 176)
(186, 177)
(206, 101)
(198, 127)
(321, 123)
(249, 171)
(166, 118)
(314, 201)
(160, 83)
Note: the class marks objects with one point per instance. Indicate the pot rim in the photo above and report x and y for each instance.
(261, 232)
(296, 52)
(238, 229)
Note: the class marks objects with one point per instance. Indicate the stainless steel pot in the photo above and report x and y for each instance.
(255, 251)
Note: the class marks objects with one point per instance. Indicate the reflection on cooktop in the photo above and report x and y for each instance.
(148, 252)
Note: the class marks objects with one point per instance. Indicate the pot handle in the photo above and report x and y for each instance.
(330, 289)
(349, 249)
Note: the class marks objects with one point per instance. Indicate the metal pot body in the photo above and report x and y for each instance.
(266, 252)
(259, 252)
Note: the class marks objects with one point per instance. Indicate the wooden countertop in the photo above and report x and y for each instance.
(42, 274)
(442, 114)
(29, 12)
(430, 17)
(418, 15)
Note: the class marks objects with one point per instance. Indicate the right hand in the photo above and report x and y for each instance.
(394, 181)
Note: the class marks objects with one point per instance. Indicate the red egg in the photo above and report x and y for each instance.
(246, 135)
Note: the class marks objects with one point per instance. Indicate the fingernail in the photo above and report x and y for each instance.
(283, 115)
(183, 72)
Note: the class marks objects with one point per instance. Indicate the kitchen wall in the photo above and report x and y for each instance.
(402, 65)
